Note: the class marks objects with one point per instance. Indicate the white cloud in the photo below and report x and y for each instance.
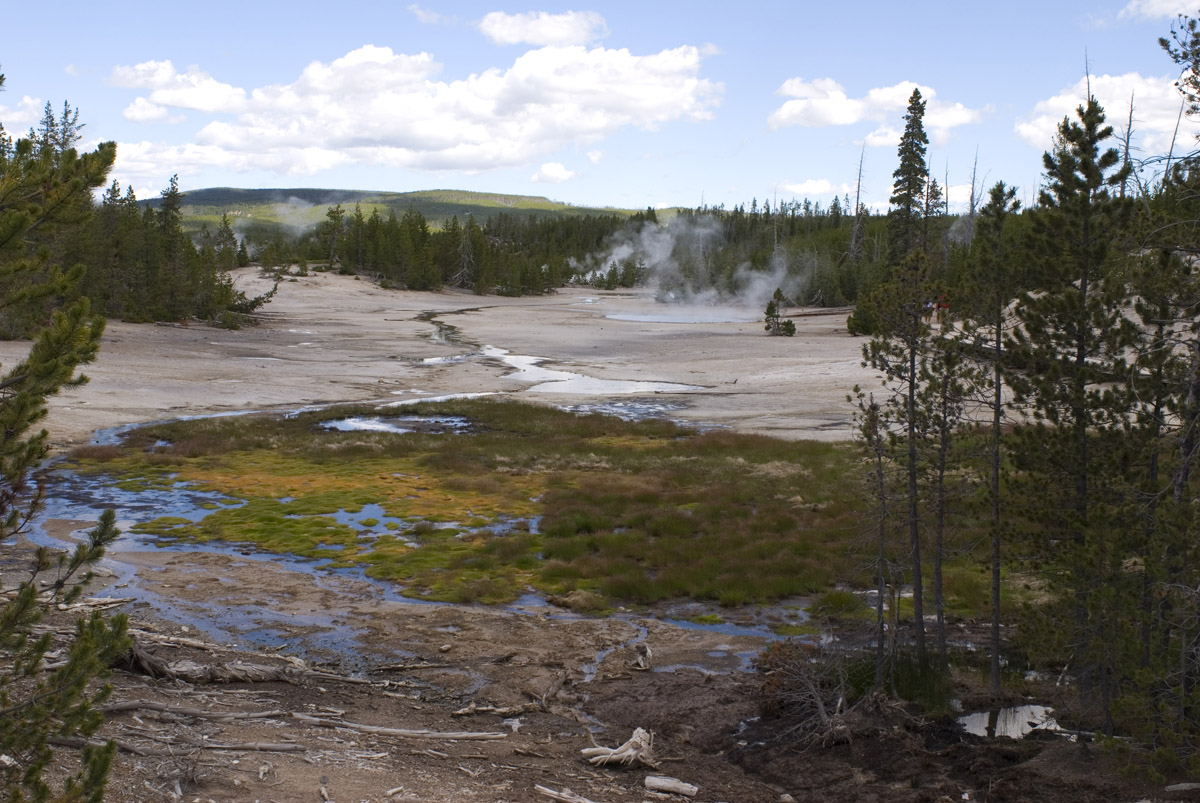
(71, 70)
(427, 17)
(1156, 9)
(960, 195)
(150, 163)
(143, 111)
(816, 186)
(190, 90)
(378, 107)
(1155, 111)
(824, 102)
(552, 173)
(540, 28)
(883, 137)
(16, 121)
(595, 156)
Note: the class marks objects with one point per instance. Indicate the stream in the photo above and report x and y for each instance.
(325, 631)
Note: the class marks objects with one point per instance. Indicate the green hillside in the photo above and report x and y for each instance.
(302, 208)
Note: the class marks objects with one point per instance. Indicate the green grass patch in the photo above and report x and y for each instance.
(634, 511)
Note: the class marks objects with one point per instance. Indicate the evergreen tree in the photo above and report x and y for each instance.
(987, 300)
(773, 315)
(1072, 341)
(36, 706)
(910, 184)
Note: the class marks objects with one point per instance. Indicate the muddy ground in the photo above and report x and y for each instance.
(359, 659)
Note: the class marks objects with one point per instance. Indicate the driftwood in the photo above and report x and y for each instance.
(181, 711)
(638, 750)
(504, 711)
(661, 783)
(566, 795)
(138, 659)
(197, 744)
(401, 732)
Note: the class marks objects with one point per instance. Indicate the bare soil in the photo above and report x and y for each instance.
(566, 679)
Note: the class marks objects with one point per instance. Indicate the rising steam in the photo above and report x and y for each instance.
(688, 261)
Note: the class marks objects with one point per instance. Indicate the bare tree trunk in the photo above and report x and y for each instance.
(873, 435)
(856, 232)
(914, 523)
(994, 481)
(939, 599)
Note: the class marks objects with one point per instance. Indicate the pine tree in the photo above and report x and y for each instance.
(986, 301)
(37, 706)
(773, 315)
(1073, 341)
(909, 188)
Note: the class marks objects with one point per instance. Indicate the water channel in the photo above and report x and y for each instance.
(75, 497)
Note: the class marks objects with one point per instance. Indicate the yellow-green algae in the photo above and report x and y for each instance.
(636, 511)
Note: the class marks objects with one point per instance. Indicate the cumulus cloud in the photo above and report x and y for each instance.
(1155, 104)
(541, 28)
(425, 16)
(816, 186)
(1156, 9)
(960, 195)
(595, 156)
(883, 137)
(71, 70)
(823, 102)
(552, 173)
(378, 107)
(27, 112)
(189, 90)
(144, 111)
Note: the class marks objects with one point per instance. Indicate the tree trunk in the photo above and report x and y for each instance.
(914, 528)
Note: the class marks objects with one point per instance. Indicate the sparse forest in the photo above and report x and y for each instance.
(1039, 410)
(1039, 418)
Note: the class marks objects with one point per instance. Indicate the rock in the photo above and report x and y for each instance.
(1182, 787)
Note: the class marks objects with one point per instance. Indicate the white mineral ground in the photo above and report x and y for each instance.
(328, 338)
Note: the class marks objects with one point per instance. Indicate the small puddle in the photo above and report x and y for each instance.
(590, 670)
(685, 316)
(399, 425)
(1015, 722)
(546, 380)
(631, 410)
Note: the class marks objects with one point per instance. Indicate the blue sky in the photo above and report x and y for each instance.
(610, 104)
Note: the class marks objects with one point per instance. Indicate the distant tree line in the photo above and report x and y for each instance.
(134, 262)
(508, 254)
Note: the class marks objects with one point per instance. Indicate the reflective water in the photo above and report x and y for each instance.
(546, 380)
(399, 424)
(689, 315)
(1015, 722)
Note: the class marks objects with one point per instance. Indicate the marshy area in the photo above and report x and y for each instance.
(511, 555)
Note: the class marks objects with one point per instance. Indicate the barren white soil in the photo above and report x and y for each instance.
(327, 338)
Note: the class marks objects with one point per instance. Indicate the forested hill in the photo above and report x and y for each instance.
(302, 208)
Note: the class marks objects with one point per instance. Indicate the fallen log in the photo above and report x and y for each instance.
(661, 783)
(504, 711)
(450, 736)
(182, 711)
(138, 659)
(565, 796)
